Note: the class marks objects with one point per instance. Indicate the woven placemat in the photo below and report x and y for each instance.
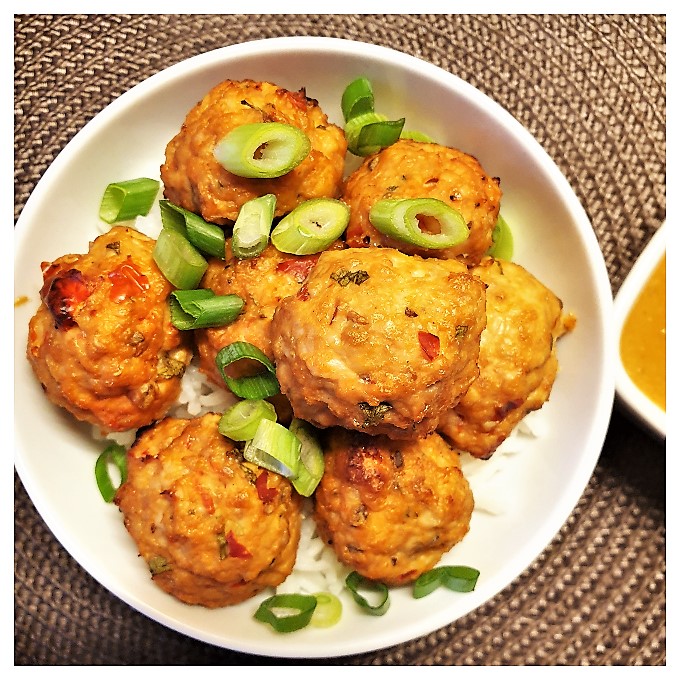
(591, 89)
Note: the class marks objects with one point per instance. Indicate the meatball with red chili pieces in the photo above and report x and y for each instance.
(194, 179)
(102, 343)
(517, 358)
(410, 169)
(391, 509)
(213, 528)
(379, 341)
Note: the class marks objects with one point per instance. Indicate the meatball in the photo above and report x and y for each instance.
(409, 169)
(517, 358)
(194, 180)
(101, 342)
(379, 341)
(391, 509)
(213, 528)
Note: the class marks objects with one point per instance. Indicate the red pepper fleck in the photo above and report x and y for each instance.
(264, 493)
(303, 294)
(61, 293)
(429, 344)
(299, 267)
(127, 280)
(235, 548)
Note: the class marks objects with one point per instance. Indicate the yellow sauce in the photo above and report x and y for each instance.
(643, 338)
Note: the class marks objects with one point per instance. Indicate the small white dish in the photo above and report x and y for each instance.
(629, 394)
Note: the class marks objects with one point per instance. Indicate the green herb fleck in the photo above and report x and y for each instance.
(373, 415)
(158, 564)
(461, 331)
(344, 277)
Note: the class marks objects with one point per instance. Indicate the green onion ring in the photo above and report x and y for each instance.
(206, 237)
(262, 150)
(400, 219)
(113, 454)
(356, 581)
(287, 612)
(275, 448)
(128, 199)
(178, 260)
(458, 578)
(503, 244)
(240, 421)
(253, 224)
(201, 308)
(378, 135)
(416, 136)
(258, 386)
(328, 610)
(357, 98)
(311, 467)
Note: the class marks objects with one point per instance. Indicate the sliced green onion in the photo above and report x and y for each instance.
(328, 610)
(357, 98)
(129, 199)
(503, 243)
(206, 237)
(311, 467)
(459, 578)
(403, 219)
(378, 135)
(416, 136)
(311, 227)
(275, 448)
(240, 422)
(259, 386)
(354, 126)
(178, 260)
(355, 582)
(116, 455)
(287, 612)
(201, 308)
(262, 150)
(253, 224)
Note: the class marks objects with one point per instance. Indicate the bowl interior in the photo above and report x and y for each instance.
(554, 240)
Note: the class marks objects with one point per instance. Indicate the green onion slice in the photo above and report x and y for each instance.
(459, 578)
(416, 136)
(275, 448)
(262, 150)
(311, 227)
(116, 455)
(356, 582)
(206, 237)
(253, 224)
(240, 422)
(311, 467)
(179, 261)
(201, 308)
(259, 386)
(422, 222)
(357, 98)
(128, 199)
(503, 244)
(287, 612)
(378, 135)
(328, 610)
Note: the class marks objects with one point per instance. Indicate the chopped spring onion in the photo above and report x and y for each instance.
(357, 98)
(356, 582)
(179, 261)
(275, 448)
(116, 455)
(503, 245)
(375, 136)
(262, 150)
(328, 610)
(423, 222)
(201, 308)
(206, 237)
(253, 224)
(416, 136)
(287, 612)
(259, 386)
(311, 466)
(458, 578)
(311, 227)
(128, 199)
(240, 422)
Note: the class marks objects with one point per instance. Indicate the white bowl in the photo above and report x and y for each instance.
(633, 399)
(554, 240)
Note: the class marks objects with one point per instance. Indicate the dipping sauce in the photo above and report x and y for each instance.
(643, 338)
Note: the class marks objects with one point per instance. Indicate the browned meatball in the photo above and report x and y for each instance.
(102, 343)
(213, 528)
(391, 509)
(379, 341)
(409, 169)
(517, 359)
(194, 180)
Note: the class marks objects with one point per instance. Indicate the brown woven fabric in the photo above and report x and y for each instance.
(591, 89)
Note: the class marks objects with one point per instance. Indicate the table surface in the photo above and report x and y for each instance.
(592, 90)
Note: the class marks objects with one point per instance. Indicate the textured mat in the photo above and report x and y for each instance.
(591, 89)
